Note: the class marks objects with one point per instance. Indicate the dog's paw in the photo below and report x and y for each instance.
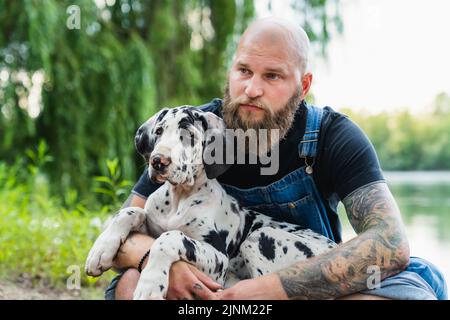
(151, 286)
(100, 258)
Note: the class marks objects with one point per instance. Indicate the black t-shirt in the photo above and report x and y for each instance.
(346, 160)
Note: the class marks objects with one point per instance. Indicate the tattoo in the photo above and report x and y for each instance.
(198, 286)
(381, 242)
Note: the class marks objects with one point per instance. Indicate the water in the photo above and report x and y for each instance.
(424, 201)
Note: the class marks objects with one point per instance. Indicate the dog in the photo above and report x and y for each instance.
(191, 216)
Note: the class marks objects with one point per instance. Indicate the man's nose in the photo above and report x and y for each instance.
(141, 141)
(254, 88)
(160, 162)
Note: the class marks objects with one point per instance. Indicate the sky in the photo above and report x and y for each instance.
(393, 54)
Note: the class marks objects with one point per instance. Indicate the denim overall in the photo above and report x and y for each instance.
(295, 197)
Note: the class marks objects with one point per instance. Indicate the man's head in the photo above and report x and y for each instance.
(268, 77)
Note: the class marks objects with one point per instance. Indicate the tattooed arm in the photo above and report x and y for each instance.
(381, 242)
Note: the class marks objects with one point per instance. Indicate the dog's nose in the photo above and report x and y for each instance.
(160, 162)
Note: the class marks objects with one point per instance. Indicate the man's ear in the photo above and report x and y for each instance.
(215, 142)
(145, 139)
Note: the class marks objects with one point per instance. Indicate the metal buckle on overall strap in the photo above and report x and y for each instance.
(309, 167)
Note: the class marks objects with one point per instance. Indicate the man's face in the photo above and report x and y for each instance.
(262, 79)
(263, 89)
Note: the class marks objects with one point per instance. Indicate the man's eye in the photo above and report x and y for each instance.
(159, 131)
(244, 71)
(272, 76)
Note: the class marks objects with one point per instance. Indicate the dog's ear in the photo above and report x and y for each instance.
(145, 139)
(215, 142)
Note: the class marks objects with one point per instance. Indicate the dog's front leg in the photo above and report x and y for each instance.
(170, 247)
(105, 248)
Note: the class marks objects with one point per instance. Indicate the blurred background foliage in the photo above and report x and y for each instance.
(407, 142)
(84, 92)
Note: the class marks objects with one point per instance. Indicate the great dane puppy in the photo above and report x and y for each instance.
(191, 216)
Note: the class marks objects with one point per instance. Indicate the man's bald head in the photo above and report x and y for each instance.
(279, 33)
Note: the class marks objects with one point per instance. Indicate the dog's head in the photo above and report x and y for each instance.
(176, 141)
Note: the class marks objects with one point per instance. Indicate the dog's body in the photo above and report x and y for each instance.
(193, 219)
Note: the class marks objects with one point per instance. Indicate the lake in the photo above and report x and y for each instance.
(424, 201)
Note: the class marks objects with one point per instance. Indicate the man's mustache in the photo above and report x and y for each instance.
(253, 102)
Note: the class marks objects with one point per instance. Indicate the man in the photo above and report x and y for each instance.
(324, 159)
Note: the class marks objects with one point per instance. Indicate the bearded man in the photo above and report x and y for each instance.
(324, 158)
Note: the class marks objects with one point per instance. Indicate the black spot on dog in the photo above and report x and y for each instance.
(217, 240)
(161, 287)
(219, 266)
(192, 221)
(256, 226)
(301, 247)
(190, 250)
(259, 271)
(161, 115)
(130, 213)
(234, 208)
(195, 202)
(157, 208)
(233, 248)
(162, 210)
(164, 272)
(285, 249)
(183, 168)
(167, 203)
(167, 193)
(267, 246)
(203, 121)
(249, 218)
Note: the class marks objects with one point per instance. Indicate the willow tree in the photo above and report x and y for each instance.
(84, 74)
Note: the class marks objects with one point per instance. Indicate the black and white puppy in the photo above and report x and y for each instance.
(191, 216)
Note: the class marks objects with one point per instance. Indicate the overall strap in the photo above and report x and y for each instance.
(307, 148)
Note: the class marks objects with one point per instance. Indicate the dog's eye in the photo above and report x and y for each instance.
(159, 131)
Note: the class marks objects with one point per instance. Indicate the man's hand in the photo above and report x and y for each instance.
(262, 288)
(186, 282)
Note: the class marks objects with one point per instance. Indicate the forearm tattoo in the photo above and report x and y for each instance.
(381, 243)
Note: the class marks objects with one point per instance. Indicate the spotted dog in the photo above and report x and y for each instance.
(191, 216)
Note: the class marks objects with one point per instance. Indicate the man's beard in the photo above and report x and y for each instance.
(280, 121)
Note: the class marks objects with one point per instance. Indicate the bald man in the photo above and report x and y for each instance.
(324, 158)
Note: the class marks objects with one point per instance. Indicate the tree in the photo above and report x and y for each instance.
(86, 90)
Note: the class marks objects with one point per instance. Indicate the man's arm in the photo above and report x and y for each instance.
(381, 242)
(136, 245)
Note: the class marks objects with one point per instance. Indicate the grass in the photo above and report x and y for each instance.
(42, 238)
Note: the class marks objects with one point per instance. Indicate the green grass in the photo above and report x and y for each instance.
(41, 237)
